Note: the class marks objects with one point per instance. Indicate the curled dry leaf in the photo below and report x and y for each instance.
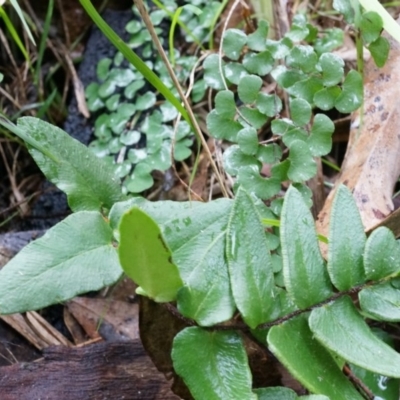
(371, 166)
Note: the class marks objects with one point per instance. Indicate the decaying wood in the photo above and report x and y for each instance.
(371, 166)
(99, 371)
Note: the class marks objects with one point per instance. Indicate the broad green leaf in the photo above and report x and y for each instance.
(88, 182)
(140, 178)
(74, 257)
(145, 101)
(306, 88)
(234, 72)
(371, 26)
(320, 140)
(340, 328)
(221, 127)
(248, 141)
(305, 276)
(381, 302)
(145, 257)
(250, 115)
(276, 393)
(248, 88)
(345, 8)
(249, 261)
(302, 165)
(195, 234)
(257, 40)
(380, 51)
(332, 67)
(260, 63)
(303, 58)
(235, 159)
(103, 67)
(269, 104)
(287, 77)
(300, 112)
(351, 97)
(310, 363)
(382, 387)
(212, 75)
(325, 99)
(213, 364)
(269, 154)
(346, 242)
(264, 188)
(233, 42)
(225, 104)
(382, 255)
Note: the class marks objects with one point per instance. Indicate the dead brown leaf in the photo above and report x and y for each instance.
(371, 166)
(110, 319)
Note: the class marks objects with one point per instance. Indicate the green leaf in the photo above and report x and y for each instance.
(259, 64)
(225, 104)
(252, 116)
(233, 42)
(380, 51)
(332, 67)
(340, 328)
(249, 261)
(145, 257)
(212, 75)
(89, 182)
(311, 364)
(371, 26)
(300, 112)
(269, 104)
(197, 240)
(248, 141)
(132, 88)
(381, 302)
(306, 88)
(234, 72)
(302, 165)
(304, 271)
(276, 393)
(248, 88)
(145, 101)
(269, 154)
(320, 140)
(74, 257)
(346, 242)
(213, 365)
(303, 58)
(221, 127)
(287, 77)
(235, 159)
(264, 188)
(351, 97)
(103, 68)
(140, 179)
(325, 99)
(345, 7)
(257, 40)
(382, 255)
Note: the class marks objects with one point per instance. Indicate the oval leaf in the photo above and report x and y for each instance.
(382, 254)
(304, 271)
(75, 256)
(214, 365)
(346, 242)
(145, 257)
(249, 261)
(340, 328)
(381, 302)
(310, 363)
(88, 182)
